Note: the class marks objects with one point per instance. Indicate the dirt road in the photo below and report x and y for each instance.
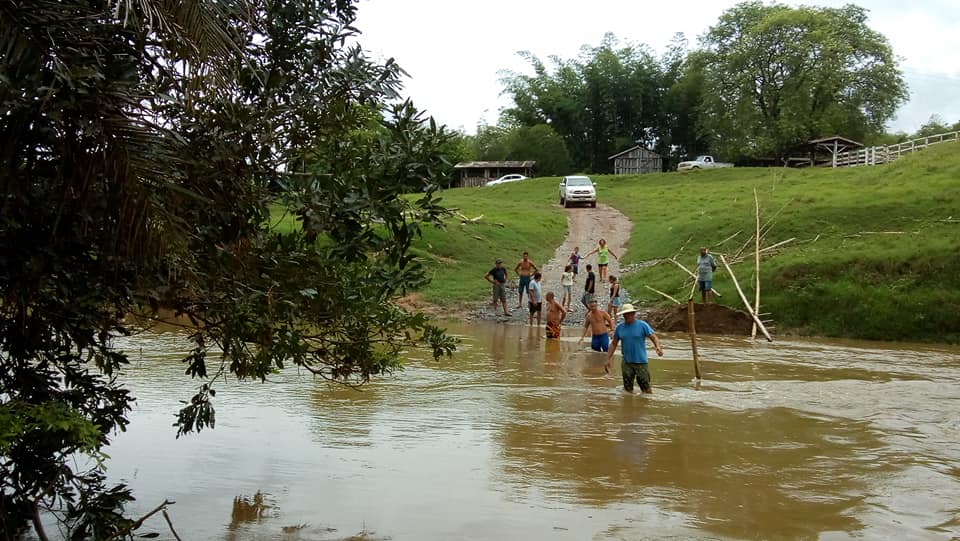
(585, 227)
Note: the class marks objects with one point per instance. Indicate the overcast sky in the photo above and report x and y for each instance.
(455, 49)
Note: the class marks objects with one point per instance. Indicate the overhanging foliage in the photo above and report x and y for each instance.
(144, 143)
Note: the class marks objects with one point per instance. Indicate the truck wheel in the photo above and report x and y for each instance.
(593, 205)
(562, 202)
(566, 204)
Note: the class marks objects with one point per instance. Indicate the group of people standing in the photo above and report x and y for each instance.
(630, 334)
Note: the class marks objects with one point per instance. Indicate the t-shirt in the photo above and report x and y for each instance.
(575, 259)
(566, 279)
(535, 291)
(633, 340)
(591, 282)
(705, 265)
(603, 257)
(498, 274)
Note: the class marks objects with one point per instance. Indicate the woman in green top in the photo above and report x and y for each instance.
(603, 257)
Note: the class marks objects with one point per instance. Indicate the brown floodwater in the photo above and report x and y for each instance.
(518, 437)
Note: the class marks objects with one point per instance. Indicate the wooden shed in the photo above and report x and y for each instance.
(636, 161)
(476, 173)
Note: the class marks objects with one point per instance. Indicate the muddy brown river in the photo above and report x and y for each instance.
(518, 437)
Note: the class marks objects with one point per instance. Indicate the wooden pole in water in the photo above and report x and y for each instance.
(691, 321)
(756, 304)
(756, 318)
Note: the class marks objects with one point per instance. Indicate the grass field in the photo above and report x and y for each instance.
(873, 255)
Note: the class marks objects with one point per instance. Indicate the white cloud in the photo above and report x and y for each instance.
(455, 49)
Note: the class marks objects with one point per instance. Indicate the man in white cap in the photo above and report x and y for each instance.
(633, 333)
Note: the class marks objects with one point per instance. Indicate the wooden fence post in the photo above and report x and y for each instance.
(691, 322)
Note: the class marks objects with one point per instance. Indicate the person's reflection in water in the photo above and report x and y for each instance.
(249, 510)
(631, 448)
(551, 353)
(530, 355)
(498, 345)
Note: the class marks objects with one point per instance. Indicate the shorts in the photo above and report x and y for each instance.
(600, 342)
(499, 292)
(576, 269)
(615, 301)
(705, 285)
(535, 307)
(586, 298)
(568, 290)
(602, 265)
(523, 285)
(635, 371)
(553, 330)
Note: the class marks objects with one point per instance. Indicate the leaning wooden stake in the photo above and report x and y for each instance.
(662, 293)
(691, 318)
(756, 302)
(743, 298)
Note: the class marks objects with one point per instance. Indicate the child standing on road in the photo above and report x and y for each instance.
(575, 262)
(566, 280)
(536, 298)
(614, 303)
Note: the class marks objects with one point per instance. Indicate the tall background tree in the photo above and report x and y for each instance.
(606, 100)
(145, 145)
(776, 77)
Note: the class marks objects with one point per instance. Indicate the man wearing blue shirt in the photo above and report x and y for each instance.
(633, 333)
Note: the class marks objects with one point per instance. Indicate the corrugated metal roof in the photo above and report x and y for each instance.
(632, 149)
(478, 165)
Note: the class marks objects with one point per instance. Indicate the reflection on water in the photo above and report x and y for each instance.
(521, 437)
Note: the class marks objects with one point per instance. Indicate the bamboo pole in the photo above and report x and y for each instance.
(662, 293)
(743, 298)
(691, 319)
(692, 275)
(781, 243)
(756, 300)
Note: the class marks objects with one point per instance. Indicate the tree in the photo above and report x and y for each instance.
(540, 143)
(144, 147)
(606, 100)
(683, 80)
(933, 126)
(779, 76)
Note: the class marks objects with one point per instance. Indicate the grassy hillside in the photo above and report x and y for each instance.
(856, 279)
(462, 254)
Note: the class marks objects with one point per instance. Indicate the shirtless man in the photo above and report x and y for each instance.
(601, 325)
(555, 316)
(525, 269)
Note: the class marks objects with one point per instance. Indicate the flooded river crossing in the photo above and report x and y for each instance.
(518, 437)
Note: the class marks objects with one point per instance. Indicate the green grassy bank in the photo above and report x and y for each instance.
(517, 217)
(875, 254)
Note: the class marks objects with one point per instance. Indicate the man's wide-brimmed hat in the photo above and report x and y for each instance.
(627, 309)
(499, 261)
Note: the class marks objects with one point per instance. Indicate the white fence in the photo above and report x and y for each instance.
(889, 153)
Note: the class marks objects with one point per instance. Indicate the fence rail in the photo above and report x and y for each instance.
(889, 153)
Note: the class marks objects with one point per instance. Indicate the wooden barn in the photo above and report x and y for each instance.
(476, 173)
(636, 161)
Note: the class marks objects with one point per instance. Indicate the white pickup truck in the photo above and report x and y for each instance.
(701, 162)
